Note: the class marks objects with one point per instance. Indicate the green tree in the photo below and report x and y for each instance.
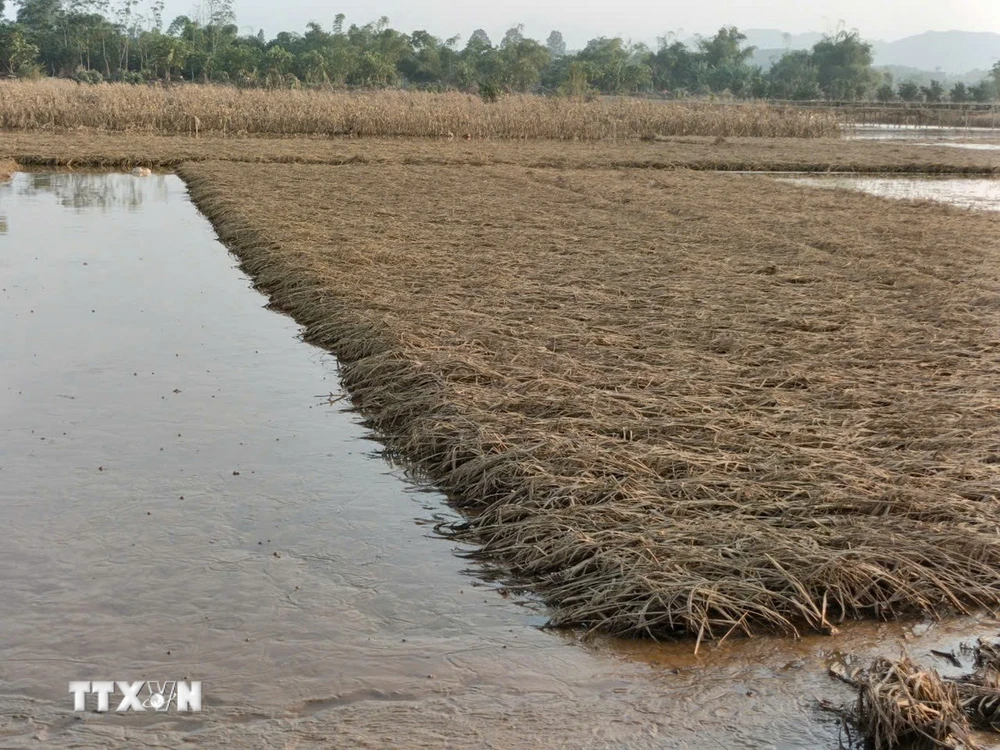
(885, 92)
(555, 44)
(521, 60)
(725, 49)
(908, 91)
(167, 54)
(614, 67)
(277, 63)
(934, 92)
(673, 67)
(959, 93)
(844, 65)
(425, 64)
(795, 76)
(984, 91)
(17, 54)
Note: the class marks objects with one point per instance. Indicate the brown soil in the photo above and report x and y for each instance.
(670, 402)
(126, 150)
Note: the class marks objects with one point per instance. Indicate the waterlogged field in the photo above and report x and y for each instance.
(978, 194)
(665, 402)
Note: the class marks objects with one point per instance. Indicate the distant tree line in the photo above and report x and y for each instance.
(97, 40)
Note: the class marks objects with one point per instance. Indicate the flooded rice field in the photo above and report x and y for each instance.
(940, 135)
(185, 497)
(980, 193)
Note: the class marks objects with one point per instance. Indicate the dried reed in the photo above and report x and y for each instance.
(7, 169)
(62, 104)
(980, 691)
(902, 705)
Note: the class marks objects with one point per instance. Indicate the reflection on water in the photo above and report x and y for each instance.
(973, 146)
(177, 504)
(83, 191)
(918, 132)
(982, 194)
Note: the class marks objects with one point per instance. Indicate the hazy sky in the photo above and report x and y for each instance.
(639, 20)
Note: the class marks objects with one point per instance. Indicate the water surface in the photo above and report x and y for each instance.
(979, 193)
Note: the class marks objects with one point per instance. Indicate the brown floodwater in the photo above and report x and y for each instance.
(183, 495)
(979, 193)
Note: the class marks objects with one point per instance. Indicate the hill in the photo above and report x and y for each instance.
(953, 52)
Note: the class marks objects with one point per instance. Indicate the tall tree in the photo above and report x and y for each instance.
(556, 44)
(795, 76)
(844, 65)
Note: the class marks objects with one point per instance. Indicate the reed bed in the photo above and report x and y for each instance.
(669, 402)
(61, 105)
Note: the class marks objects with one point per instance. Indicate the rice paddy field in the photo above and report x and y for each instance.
(671, 397)
(672, 402)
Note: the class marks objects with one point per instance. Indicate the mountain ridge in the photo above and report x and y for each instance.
(955, 52)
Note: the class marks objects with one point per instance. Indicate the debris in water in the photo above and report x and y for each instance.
(901, 703)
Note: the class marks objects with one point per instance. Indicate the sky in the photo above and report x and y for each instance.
(638, 20)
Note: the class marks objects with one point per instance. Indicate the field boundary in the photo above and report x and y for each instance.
(35, 160)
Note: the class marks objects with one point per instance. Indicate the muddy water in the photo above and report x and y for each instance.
(982, 193)
(177, 502)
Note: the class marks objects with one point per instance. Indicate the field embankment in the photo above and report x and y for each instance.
(65, 105)
(96, 149)
(670, 402)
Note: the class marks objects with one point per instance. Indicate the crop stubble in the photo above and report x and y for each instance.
(669, 402)
(91, 148)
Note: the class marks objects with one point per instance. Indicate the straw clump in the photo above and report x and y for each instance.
(903, 705)
(670, 403)
(7, 169)
(190, 109)
(980, 691)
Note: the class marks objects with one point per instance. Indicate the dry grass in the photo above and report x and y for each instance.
(987, 658)
(126, 150)
(60, 104)
(980, 691)
(7, 169)
(903, 705)
(670, 402)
